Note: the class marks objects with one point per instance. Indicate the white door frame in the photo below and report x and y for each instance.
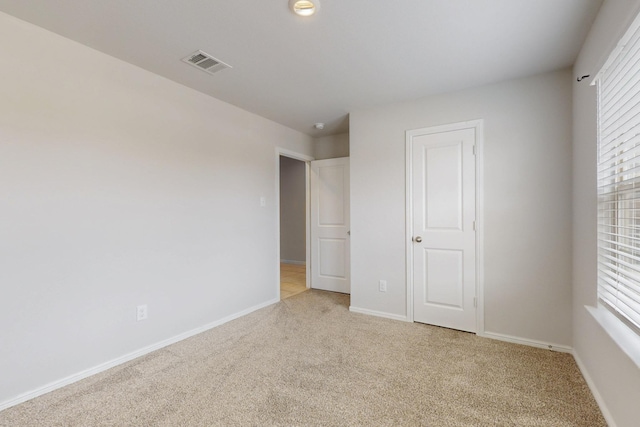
(307, 170)
(478, 126)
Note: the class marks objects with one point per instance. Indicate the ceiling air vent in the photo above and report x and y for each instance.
(205, 62)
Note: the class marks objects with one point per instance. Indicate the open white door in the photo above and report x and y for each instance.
(443, 199)
(330, 249)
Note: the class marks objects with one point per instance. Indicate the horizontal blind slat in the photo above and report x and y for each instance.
(624, 115)
(617, 74)
(624, 284)
(618, 179)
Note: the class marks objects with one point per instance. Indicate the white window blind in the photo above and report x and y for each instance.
(619, 180)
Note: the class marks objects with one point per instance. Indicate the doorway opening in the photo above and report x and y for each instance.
(312, 223)
(294, 248)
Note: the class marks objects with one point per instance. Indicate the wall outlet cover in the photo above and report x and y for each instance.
(383, 285)
(142, 312)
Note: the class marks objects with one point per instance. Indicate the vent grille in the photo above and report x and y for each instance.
(205, 62)
(197, 58)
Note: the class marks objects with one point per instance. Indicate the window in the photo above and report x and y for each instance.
(619, 180)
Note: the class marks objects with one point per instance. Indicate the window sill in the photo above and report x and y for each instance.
(620, 333)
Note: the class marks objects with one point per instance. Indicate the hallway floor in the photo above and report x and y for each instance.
(292, 280)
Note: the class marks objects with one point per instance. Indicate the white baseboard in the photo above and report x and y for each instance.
(378, 314)
(525, 341)
(127, 357)
(596, 394)
(289, 261)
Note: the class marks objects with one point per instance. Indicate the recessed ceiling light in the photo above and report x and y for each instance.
(319, 126)
(304, 7)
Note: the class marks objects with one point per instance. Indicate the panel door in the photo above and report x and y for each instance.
(444, 245)
(330, 249)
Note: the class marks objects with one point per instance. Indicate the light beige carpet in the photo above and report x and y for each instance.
(308, 361)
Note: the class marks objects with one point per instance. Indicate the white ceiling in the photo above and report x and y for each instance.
(353, 54)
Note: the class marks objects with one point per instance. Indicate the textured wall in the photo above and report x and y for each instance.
(119, 188)
(527, 201)
(331, 147)
(293, 213)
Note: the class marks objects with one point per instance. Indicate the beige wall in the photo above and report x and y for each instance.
(527, 199)
(118, 188)
(331, 147)
(293, 215)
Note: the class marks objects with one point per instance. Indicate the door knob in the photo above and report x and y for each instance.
(417, 239)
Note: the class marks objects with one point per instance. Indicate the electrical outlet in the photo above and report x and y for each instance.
(383, 285)
(141, 312)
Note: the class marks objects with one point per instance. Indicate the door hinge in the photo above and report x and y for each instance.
(474, 226)
(475, 302)
(474, 150)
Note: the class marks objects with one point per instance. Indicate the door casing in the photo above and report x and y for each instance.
(478, 126)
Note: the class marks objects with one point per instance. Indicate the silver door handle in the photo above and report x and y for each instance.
(417, 239)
